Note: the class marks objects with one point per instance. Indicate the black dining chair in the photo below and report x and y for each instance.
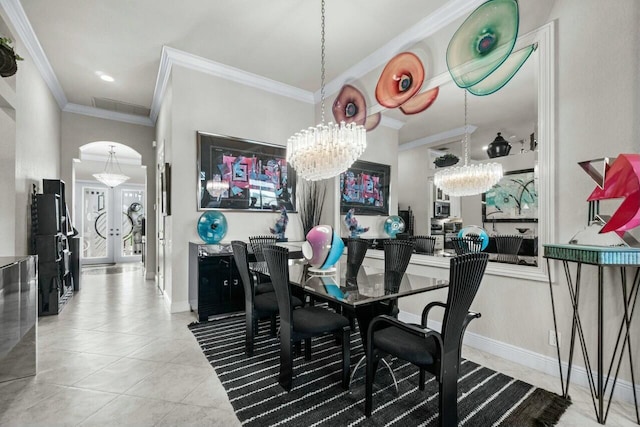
(356, 251)
(425, 244)
(467, 244)
(437, 353)
(397, 254)
(256, 306)
(257, 243)
(302, 323)
(508, 246)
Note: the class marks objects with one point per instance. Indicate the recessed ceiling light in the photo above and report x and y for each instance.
(106, 78)
(484, 147)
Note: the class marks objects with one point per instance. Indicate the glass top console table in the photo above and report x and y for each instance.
(627, 261)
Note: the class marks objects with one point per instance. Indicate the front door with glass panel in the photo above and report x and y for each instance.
(112, 223)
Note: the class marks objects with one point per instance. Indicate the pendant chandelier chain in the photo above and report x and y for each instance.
(466, 132)
(322, 61)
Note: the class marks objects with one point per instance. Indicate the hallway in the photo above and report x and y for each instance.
(115, 356)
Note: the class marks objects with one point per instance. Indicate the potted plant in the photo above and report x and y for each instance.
(446, 160)
(8, 58)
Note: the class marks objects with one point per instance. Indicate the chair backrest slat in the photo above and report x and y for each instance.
(356, 251)
(277, 259)
(425, 244)
(508, 244)
(465, 275)
(397, 254)
(467, 244)
(258, 242)
(240, 255)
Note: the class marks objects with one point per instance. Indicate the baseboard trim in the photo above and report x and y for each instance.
(539, 362)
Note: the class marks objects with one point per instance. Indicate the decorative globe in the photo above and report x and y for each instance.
(212, 227)
(393, 225)
(474, 230)
(323, 247)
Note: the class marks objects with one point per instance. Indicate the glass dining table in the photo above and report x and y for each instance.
(365, 295)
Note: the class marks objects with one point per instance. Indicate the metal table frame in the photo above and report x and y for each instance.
(602, 257)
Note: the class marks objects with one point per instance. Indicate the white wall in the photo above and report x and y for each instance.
(205, 103)
(78, 130)
(597, 115)
(32, 132)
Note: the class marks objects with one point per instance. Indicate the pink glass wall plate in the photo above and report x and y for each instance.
(622, 180)
(350, 106)
(401, 79)
(420, 102)
(372, 121)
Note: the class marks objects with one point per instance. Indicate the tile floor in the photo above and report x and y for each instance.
(115, 356)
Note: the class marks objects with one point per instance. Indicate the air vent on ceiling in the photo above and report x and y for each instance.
(120, 107)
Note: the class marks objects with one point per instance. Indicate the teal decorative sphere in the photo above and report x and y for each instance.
(212, 227)
(393, 225)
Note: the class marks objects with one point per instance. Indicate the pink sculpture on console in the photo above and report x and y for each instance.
(622, 180)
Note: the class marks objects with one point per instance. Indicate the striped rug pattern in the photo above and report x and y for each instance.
(485, 397)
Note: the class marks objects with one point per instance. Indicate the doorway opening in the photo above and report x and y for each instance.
(111, 221)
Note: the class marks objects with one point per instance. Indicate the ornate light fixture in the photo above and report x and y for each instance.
(326, 150)
(110, 177)
(467, 180)
(216, 186)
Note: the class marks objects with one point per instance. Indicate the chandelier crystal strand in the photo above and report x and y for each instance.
(327, 150)
(467, 180)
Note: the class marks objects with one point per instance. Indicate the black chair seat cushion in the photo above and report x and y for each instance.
(409, 347)
(316, 320)
(267, 303)
(263, 288)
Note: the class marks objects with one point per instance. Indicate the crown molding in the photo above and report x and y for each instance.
(437, 138)
(24, 30)
(171, 56)
(426, 27)
(107, 114)
(391, 123)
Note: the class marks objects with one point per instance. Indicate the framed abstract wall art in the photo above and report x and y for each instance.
(513, 199)
(236, 173)
(364, 187)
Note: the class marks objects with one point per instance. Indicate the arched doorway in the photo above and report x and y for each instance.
(111, 220)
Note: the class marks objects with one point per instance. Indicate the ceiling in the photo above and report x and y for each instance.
(277, 40)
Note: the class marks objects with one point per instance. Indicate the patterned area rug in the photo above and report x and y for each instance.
(485, 397)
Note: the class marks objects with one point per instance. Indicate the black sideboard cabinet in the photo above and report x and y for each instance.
(215, 286)
(51, 237)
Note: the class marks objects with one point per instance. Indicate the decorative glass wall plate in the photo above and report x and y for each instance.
(504, 73)
(372, 121)
(212, 227)
(474, 230)
(483, 42)
(350, 106)
(401, 79)
(420, 102)
(393, 225)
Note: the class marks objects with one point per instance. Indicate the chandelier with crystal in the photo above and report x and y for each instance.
(110, 177)
(467, 180)
(326, 150)
(216, 186)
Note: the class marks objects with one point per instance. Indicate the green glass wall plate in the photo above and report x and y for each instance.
(483, 42)
(500, 77)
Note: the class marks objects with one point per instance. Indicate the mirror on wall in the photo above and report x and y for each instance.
(522, 113)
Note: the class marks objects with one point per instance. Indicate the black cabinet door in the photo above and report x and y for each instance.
(219, 286)
(212, 273)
